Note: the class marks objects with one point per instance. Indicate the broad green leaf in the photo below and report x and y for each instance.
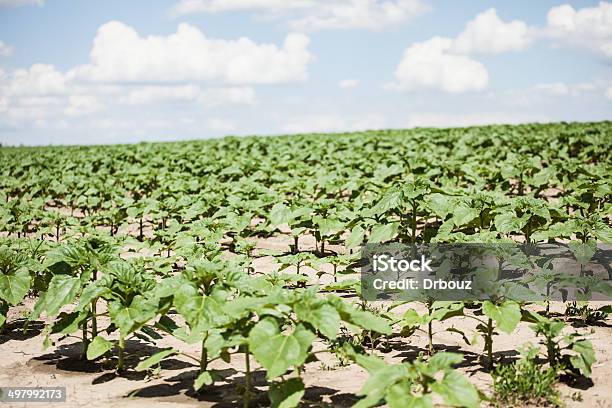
(131, 318)
(98, 347)
(400, 396)
(585, 358)
(204, 378)
(356, 237)
(154, 359)
(389, 201)
(324, 318)
(543, 176)
(62, 290)
(280, 214)
(462, 214)
(444, 360)
(583, 252)
(363, 319)
(457, 390)
(69, 322)
(273, 350)
(286, 394)
(441, 205)
(14, 287)
(506, 316)
(383, 232)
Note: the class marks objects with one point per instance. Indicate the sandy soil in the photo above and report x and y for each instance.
(23, 362)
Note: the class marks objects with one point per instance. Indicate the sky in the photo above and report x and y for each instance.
(85, 72)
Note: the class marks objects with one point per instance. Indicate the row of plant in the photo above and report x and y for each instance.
(154, 240)
(227, 311)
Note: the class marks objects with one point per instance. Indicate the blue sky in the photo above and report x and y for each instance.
(127, 71)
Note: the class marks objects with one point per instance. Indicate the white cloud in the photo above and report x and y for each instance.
(5, 49)
(359, 14)
(82, 105)
(444, 63)
(319, 123)
(128, 69)
(348, 83)
(543, 94)
(312, 15)
(437, 119)
(39, 79)
(43, 92)
(220, 125)
(589, 27)
(609, 92)
(216, 6)
(563, 89)
(17, 3)
(120, 54)
(487, 33)
(152, 94)
(431, 65)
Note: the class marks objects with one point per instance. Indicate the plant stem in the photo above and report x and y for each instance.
(489, 344)
(85, 341)
(430, 327)
(204, 356)
(120, 362)
(94, 319)
(247, 379)
(430, 337)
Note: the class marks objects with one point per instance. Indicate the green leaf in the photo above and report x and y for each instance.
(363, 319)
(205, 378)
(390, 201)
(280, 214)
(462, 214)
(329, 226)
(583, 252)
(509, 222)
(441, 205)
(444, 360)
(3, 312)
(199, 311)
(91, 292)
(69, 322)
(131, 318)
(457, 390)
(383, 232)
(273, 350)
(506, 316)
(305, 338)
(585, 358)
(356, 237)
(154, 359)
(98, 347)
(400, 396)
(286, 394)
(324, 318)
(543, 176)
(62, 290)
(14, 287)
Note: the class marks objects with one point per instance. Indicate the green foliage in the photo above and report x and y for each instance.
(413, 384)
(190, 218)
(525, 381)
(569, 353)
